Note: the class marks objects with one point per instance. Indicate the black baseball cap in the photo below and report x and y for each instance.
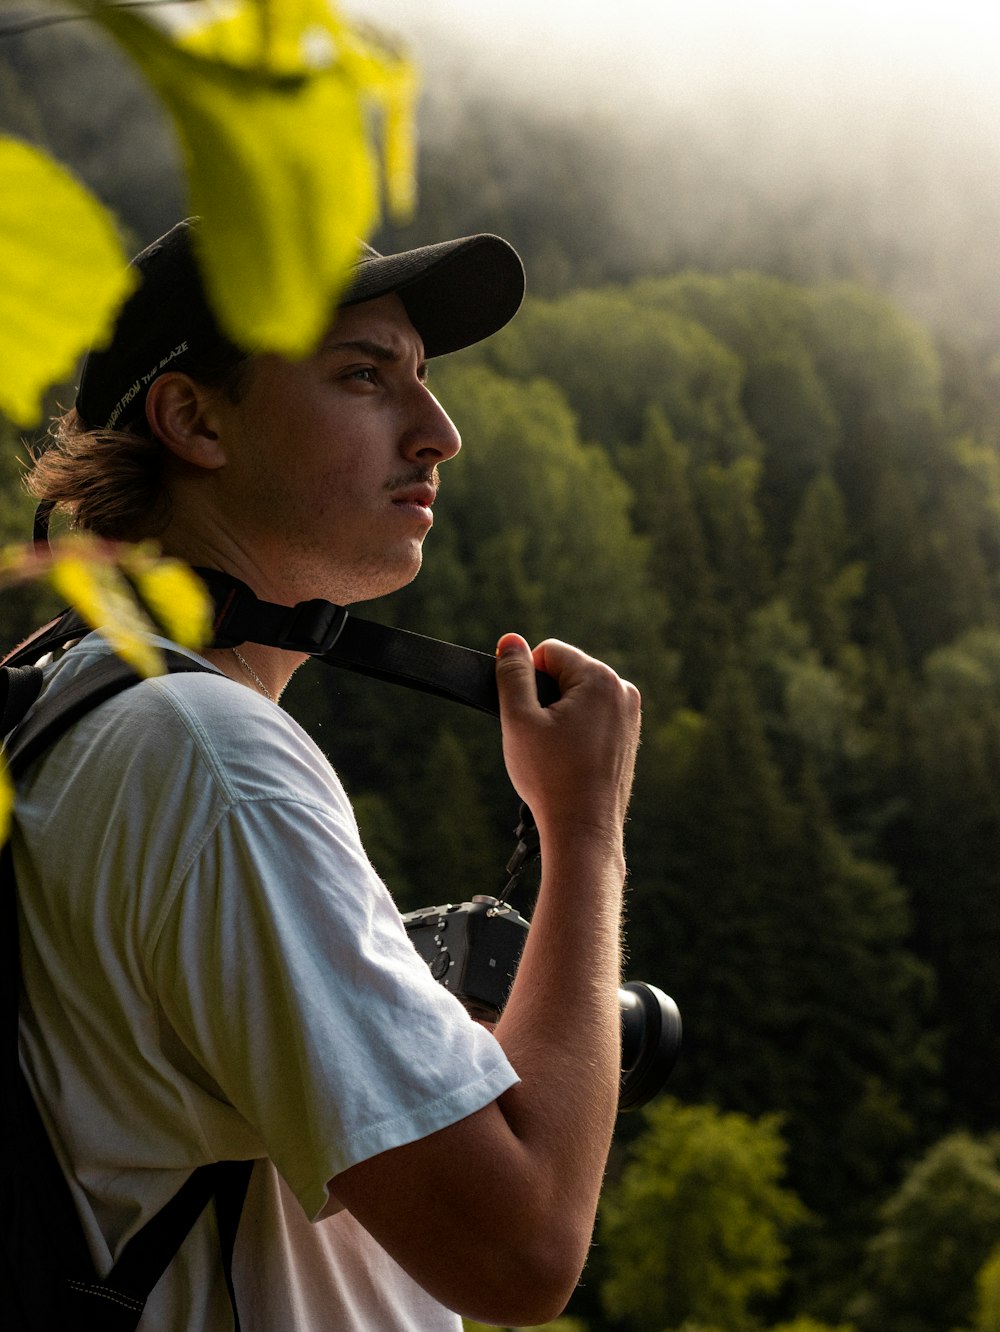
(455, 293)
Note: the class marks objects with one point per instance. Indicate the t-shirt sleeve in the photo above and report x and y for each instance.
(283, 966)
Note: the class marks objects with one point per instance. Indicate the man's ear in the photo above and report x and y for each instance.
(182, 415)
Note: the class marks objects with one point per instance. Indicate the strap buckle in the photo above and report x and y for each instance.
(311, 627)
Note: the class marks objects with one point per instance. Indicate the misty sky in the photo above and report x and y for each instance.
(808, 49)
(882, 117)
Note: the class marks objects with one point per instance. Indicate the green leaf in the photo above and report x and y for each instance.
(171, 594)
(271, 106)
(6, 801)
(63, 276)
(99, 593)
(126, 592)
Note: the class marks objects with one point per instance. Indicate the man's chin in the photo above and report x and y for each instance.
(383, 582)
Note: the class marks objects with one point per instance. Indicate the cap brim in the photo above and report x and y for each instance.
(456, 293)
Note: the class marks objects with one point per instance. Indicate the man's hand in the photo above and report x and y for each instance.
(572, 762)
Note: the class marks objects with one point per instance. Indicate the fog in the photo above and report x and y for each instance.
(883, 49)
(876, 123)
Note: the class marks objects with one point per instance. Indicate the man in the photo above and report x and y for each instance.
(212, 969)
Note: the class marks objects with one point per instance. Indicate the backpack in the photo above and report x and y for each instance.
(47, 1278)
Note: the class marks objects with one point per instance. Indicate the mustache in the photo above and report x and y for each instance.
(415, 476)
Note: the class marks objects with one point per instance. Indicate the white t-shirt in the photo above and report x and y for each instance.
(213, 971)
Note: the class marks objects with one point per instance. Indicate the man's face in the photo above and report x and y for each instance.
(331, 462)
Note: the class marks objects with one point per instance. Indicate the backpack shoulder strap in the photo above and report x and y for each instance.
(114, 1303)
(19, 687)
(121, 1296)
(66, 628)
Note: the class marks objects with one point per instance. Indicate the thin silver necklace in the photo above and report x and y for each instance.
(249, 670)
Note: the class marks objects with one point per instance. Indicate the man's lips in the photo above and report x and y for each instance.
(419, 497)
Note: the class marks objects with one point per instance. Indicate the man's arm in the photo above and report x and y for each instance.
(493, 1215)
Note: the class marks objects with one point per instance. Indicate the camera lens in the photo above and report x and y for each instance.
(651, 1040)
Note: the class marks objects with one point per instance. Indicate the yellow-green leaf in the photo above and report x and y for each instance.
(174, 596)
(302, 36)
(6, 801)
(63, 276)
(102, 596)
(290, 37)
(127, 592)
(394, 85)
(272, 111)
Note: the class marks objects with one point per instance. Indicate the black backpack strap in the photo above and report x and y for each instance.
(114, 1303)
(121, 1295)
(38, 1216)
(66, 628)
(19, 687)
(232, 1182)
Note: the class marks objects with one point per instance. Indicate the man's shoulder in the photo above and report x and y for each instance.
(241, 740)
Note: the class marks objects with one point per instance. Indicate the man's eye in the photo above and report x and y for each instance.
(366, 373)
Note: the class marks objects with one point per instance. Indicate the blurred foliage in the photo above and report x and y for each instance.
(937, 1233)
(128, 592)
(64, 271)
(272, 105)
(695, 1226)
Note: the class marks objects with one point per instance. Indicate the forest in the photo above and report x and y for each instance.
(770, 497)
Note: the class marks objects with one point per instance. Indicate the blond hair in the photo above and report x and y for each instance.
(109, 482)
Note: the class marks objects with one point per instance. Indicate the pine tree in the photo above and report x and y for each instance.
(937, 1230)
(820, 582)
(664, 511)
(944, 844)
(737, 539)
(787, 957)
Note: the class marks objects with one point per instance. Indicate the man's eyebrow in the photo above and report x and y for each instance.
(378, 351)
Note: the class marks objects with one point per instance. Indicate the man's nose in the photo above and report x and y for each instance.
(432, 436)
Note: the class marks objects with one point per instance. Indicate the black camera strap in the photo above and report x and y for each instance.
(327, 632)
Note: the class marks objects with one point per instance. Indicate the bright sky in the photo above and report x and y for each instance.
(705, 46)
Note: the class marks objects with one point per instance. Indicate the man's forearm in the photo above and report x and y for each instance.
(561, 1028)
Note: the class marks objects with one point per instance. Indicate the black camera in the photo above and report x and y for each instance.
(473, 949)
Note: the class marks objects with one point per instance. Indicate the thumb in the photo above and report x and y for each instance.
(515, 673)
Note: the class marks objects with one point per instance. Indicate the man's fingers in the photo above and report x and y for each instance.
(517, 663)
(515, 672)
